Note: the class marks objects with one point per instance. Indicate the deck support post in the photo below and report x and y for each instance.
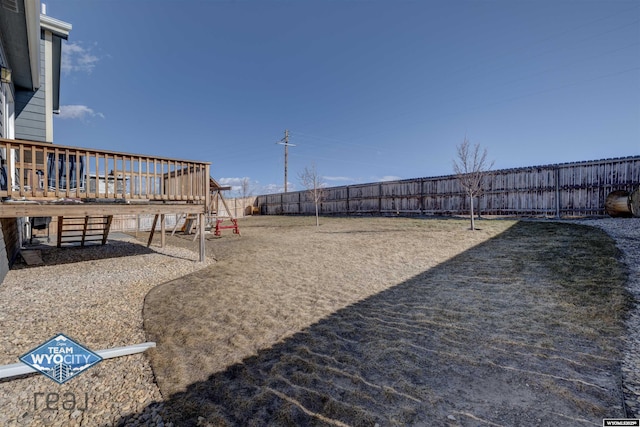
(163, 238)
(107, 227)
(153, 229)
(202, 239)
(59, 236)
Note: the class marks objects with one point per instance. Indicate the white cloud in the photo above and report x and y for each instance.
(389, 178)
(272, 188)
(275, 188)
(78, 112)
(338, 178)
(232, 181)
(76, 57)
(255, 187)
(236, 185)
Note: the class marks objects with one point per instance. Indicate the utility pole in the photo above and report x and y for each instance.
(285, 141)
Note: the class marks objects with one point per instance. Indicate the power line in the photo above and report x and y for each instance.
(341, 160)
(341, 143)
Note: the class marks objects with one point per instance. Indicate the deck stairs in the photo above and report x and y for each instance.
(83, 230)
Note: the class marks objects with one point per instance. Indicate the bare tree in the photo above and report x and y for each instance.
(312, 181)
(471, 166)
(245, 192)
(245, 187)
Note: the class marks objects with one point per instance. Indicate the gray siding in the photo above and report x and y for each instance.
(3, 131)
(2, 118)
(30, 122)
(4, 259)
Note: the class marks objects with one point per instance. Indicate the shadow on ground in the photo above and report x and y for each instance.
(523, 329)
(52, 255)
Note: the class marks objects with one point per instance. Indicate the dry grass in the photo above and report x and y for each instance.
(394, 321)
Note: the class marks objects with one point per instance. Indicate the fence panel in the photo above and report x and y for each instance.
(566, 189)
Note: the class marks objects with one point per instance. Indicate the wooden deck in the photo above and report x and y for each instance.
(41, 179)
(45, 180)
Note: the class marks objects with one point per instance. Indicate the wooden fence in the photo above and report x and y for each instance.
(567, 189)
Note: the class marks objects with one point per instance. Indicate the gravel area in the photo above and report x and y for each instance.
(626, 232)
(95, 296)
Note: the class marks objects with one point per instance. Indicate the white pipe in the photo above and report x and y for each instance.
(17, 369)
(110, 353)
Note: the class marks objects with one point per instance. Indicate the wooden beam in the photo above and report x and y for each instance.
(202, 239)
(197, 232)
(84, 230)
(107, 227)
(153, 230)
(163, 238)
(18, 209)
(60, 221)
(224, 202)
(207, 181)
(178, 222)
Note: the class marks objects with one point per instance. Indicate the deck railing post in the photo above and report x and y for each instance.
(10, 168)
(205, 185)
(21, 171)
(45, 172)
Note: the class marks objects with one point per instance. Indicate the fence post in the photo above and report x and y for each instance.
(347, 200)
(421, 203)
(557, 179)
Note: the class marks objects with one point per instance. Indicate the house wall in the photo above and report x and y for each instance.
(30, 123)
(3, 95)
(9, 246)
(2, 112)
(9, 234)
(4, 261)
(3, 100)
(30, 111)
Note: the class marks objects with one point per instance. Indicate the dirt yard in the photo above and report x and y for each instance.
(392, 321)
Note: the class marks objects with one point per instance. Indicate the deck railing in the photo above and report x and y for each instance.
(36, 170)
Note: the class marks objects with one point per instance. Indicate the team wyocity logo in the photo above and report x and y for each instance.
(60, 358)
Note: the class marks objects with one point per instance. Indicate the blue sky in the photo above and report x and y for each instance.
(369, 90)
